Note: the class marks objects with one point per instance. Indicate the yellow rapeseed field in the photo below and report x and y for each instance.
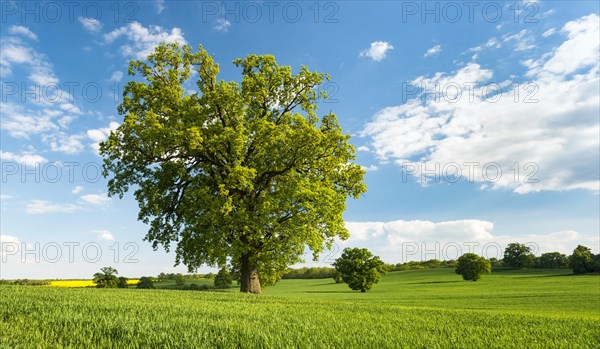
(82, 283)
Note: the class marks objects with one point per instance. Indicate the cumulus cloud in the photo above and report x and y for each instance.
(523, 40)
(378, 50)
(142, 40)
(159, 6)
(433, 51)
(104, 235)
(91, 25)
(554, 147)
(43, 206)
(95, 199)
(221, 25)
(25, 158)
(23, 31)
(61, 142)
(116, 76)
(47, 108)
(77, 189)
(100, 135)
(402, 240)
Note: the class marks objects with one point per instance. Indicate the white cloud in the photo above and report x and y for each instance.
(77, 189)
(43, 206)
(48, 107)
(549, 32)
(370, 168)
(95, 199)
(60, 142)
(159, 6)
(92, 25)
(433, 51)
(9, 244)
(142, 40)
(522, 39)
(221, 25)
(363, 148)
(491, 43)
(116, 76)
(100, 135)
(104, 235)
(556, 140)
(579, 51)
(24, 31)
(401, 240)
(27, 159)
(5, 196)
(377, 51)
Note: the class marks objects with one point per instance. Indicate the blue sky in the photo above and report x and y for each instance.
(477, 122)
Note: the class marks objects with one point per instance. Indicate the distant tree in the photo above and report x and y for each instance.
(106, 278)
(359, 268)
(517, 255)
(495, 262)
(223, 279)
(553, 260)
(122, 283)
(472, 266)
(145, 282)
(581, 260)
(337, 277)
(179, 279)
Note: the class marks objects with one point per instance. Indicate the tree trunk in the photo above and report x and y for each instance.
(250, 282)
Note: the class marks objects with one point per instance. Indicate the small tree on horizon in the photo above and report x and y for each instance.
(581, 260)
(223, 279)
(106, 278)
(145, 282)
(359, 268)
(472, 266)
(517, 255)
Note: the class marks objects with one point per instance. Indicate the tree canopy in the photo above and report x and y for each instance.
(106, 278)
(359, 268)
(244, 173)
(471, 266)
(517, 255)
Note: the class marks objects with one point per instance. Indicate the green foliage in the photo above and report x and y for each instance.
(24, 282)
(581, 260)
(416, 265)
(122, 282)
(244, 172)
(552, 260)
(337, 277)
(106, 278)
(179, 279)
(309, 273)
(409, 309)
(517, 256)
(472, 266)
(145, 282)
(223, 279)
(359, 268)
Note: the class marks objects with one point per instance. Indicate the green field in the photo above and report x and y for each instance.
(411, 309)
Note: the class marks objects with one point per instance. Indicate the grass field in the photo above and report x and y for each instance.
(411, 309)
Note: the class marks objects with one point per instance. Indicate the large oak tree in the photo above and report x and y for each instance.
(242, 173)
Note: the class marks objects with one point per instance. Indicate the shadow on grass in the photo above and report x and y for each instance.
(433, 282)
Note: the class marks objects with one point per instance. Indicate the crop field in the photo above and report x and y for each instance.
(82, 283)
(410, 309)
